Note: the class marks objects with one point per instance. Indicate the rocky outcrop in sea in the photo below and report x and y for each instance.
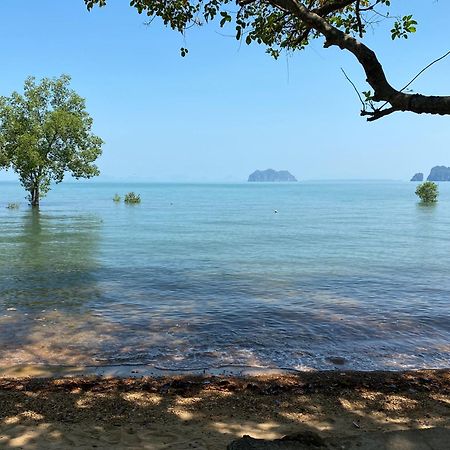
(439, 173)
(271, 175)
(417, 177)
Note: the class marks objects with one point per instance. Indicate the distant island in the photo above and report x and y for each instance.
(417, 177)
(271, 176)
(439, 173)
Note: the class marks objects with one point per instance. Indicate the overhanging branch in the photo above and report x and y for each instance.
(373, 69)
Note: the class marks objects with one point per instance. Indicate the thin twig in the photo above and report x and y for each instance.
(420, 73)
(425, 68)
(354, 87)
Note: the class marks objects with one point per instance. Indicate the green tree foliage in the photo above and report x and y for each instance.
(427, 192)
(46, 133)
(290, 25)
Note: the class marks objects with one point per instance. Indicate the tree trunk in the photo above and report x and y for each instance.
(34, 193)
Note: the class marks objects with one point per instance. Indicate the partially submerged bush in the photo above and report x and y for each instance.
(427, 192)
(13, 206)
(132, 198)
(117, 198)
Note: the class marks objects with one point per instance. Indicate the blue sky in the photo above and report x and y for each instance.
(228, 109)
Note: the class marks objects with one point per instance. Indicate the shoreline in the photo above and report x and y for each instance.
(132, 371)
(425, 380)
(123, 371)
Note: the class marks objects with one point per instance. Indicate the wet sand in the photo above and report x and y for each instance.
(208, 412)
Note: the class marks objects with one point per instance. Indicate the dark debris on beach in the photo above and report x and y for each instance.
(327, 382)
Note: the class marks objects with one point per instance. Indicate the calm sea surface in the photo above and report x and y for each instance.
(207, 275)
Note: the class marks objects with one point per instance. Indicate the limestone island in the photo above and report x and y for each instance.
(271, 175)
(417, 177)
(439, 173)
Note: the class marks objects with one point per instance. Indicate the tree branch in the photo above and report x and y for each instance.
(377, 113)
(245, 2)
(358, 18)
(375, 75)
(331, 7)
(356, 90)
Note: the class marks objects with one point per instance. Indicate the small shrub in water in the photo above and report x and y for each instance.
(427, 192)
(117, 198)
(132, 198)
(13, 206)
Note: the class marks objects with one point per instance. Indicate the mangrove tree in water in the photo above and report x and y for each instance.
(427, 192)
(46, 133)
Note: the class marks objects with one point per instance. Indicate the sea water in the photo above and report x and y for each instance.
(308, 275)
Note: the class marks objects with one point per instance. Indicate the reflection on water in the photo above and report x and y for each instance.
(49, 261)
(207, 275)
(47, 276)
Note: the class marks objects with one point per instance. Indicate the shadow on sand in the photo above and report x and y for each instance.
(210, 412)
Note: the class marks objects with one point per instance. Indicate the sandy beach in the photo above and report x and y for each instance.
(209, 412)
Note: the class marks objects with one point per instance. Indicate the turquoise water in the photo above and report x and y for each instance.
(207, 275)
